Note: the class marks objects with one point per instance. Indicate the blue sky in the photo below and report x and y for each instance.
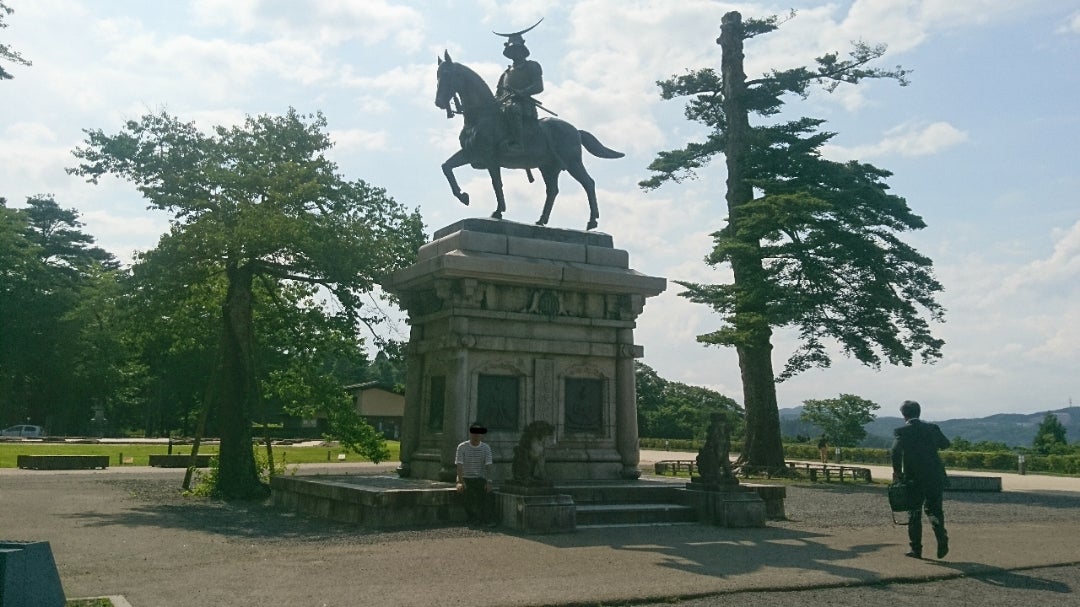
(982, 144)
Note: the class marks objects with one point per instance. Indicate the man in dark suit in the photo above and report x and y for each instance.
(915, 458)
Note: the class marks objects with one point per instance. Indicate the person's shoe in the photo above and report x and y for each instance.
(942, 549)
(915, 554)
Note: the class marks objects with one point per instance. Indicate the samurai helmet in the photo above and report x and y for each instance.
(514, 46)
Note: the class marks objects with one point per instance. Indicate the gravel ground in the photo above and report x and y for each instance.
(809, 507)
(814, 507)
(109, 527)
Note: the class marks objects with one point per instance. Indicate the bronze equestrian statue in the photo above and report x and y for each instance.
(552, 145)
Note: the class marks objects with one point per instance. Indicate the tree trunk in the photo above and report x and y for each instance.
(763, 447)
(238, 478)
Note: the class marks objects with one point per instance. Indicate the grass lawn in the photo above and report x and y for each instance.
(138, 454)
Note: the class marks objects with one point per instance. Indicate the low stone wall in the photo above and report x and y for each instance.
(370, 501)
(179, 461)
(736, 507)
(959, 482)
(62, 462)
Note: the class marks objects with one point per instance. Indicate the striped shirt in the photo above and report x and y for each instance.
(473, 459)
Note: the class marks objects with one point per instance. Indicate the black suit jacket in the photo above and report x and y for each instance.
(915, 453)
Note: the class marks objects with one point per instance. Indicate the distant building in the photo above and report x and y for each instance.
(380, 407)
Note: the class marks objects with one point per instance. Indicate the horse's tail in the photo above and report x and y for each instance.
(594, 147)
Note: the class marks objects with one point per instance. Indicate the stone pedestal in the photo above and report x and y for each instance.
(726, 505)
(535, 509)
(514, 323)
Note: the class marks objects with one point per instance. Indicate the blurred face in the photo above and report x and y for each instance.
(474, 438)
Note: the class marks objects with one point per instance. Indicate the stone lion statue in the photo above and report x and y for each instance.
(713, 461)
(529, 453)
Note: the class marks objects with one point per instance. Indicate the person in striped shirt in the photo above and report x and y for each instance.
(473, 460)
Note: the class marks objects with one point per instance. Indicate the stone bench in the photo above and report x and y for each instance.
(179, 461)
(62, 462)
(959, 482)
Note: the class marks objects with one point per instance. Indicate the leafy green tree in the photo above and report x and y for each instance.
(812, 243)
(105, 364)
(259, 207)
(48, 264)
(842, 419)
(668, 409)
(20, 271)
(1050, 437)
(6, 53)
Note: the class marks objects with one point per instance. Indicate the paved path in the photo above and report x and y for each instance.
(109, 540)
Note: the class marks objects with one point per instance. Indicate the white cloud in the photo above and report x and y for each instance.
(415, 80)
(903, 140)
(1060, 271)
(33, 157)
(1071, 25)
(353, 140)
(327, 22)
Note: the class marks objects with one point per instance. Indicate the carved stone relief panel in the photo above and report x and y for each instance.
(583, 405)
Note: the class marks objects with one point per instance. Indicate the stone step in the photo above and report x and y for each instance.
(633, 514)
(623, 493)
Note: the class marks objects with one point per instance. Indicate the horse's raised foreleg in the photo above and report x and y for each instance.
(551, 190)
(578, 172)
(497, 185)
(453, 162)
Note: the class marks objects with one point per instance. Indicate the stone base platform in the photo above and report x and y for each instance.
(381, 502)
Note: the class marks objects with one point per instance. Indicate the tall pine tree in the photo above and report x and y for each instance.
(812, 243)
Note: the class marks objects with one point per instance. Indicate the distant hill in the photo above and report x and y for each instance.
(1013, 429)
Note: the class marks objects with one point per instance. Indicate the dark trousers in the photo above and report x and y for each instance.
(479, 503)
(932, 505)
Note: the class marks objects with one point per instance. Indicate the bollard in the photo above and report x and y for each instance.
(1021, 465)
(120, 460)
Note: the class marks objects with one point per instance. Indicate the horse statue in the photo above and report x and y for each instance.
(555, 147)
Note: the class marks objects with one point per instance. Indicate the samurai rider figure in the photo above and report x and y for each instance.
(521, 80)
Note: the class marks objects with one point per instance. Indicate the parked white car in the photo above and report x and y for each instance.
(24, 430)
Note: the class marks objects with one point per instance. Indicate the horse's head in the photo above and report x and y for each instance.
(446, 83)
(455, 80)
